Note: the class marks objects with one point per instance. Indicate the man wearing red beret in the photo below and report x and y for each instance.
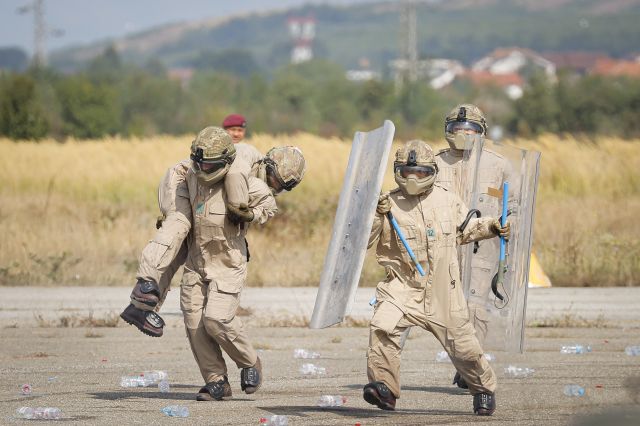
(235, 125)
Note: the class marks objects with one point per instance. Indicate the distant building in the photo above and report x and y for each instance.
(576, 61)
(515, 60)
(511, 83)
(362, 75)
(302, 31)
(615, 68)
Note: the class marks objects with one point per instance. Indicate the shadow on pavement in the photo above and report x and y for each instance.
(309, 411)
(449, 390)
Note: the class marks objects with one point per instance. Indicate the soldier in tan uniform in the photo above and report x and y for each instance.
(281, 169)
(463, 122)
(429, 216)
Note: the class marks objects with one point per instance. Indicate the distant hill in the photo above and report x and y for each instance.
(456, 29)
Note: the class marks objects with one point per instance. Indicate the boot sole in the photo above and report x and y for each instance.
(142, 329)
(372, 398)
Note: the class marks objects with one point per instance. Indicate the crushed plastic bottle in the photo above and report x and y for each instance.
(312, 370)
(44, 413)
(305, 354)
(575, 349)
(331, 401)
(275, 420)
(490, 357)
(26, 389)
(442, 356)
(632, 350)
(574, 390)
(518, 372)
(163, 386)
(176, 411)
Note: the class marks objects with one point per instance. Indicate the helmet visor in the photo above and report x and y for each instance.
(208, 166)
(420, 172)
(466, 126)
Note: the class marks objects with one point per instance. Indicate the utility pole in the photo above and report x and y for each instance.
(40, 31)
(409, 39)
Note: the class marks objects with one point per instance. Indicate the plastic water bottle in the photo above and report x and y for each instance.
(312, 370)
(163, 386)
(442, 356)
(275, 420)
(305, 354)
(489, 357)
(632, 350)
(518, 372)
(574, 390)
(176, 411)
(26, 389)
(45, 413)
(154, 376)
(575, 349)
(135, 382)
(332, 401)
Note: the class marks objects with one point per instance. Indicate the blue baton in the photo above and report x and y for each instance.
(405, 243)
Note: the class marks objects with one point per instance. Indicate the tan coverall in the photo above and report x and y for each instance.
(214, 275)
(160, 260)
(493, 170)
(434, 302)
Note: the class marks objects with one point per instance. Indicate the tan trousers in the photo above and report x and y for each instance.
(388, 324)
(162, 257)
(212, 326)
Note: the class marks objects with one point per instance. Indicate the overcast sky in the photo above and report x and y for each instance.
(85, 21)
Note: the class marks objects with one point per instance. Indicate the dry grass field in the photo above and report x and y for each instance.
(80, 212)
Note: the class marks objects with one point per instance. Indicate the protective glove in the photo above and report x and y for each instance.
(239, 214)
(384, 205)
(502, 231)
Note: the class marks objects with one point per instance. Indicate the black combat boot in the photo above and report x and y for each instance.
(148, 322)
(215, 391)
(251, 378)
(377, 393)
(484, 404)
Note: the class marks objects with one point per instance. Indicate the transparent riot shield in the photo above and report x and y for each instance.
(352, 225)
(499, 305)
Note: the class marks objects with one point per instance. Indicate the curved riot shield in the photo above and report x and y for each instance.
(352, 225)
(499, 305)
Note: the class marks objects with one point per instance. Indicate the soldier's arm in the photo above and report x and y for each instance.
(261, 201)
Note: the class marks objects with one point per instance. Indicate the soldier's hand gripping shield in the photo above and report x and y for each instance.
(486, 167)
(352, 225)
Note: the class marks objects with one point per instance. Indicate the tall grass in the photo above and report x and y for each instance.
(80, 212)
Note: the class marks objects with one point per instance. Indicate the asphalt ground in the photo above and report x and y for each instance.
(78, 369)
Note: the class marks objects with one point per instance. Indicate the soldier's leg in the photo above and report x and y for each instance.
(468, 358)
(159, 261)
(206, 351)
(383, 355)
(227, 329)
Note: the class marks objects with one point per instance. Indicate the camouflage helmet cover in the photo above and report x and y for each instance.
(467, 113)
(418, 155)
(213, 144)
(287, 165)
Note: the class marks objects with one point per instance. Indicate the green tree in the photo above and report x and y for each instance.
(21, 115)
(89, 110)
